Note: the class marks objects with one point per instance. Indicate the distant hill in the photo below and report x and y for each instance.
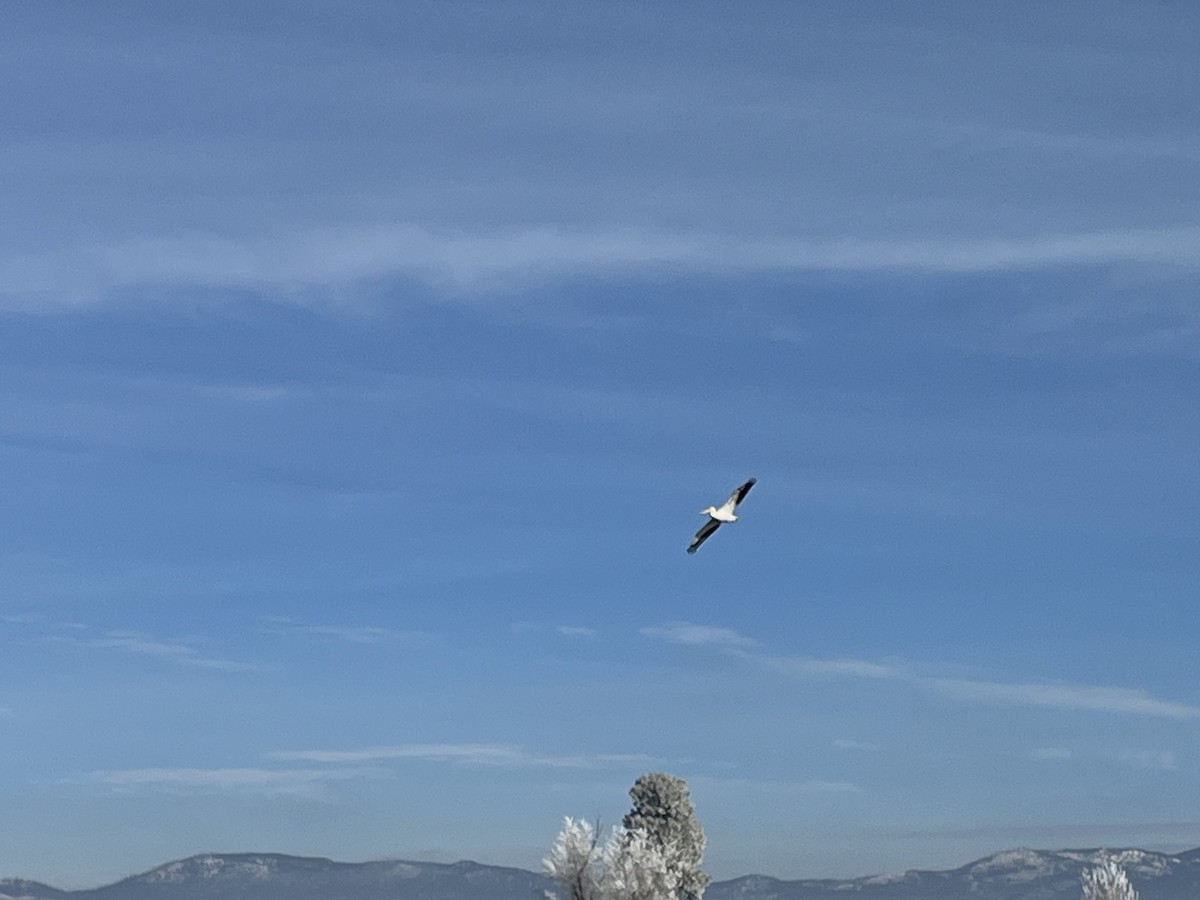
(1012, 875)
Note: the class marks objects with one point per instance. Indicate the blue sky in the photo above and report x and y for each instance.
(363, 368)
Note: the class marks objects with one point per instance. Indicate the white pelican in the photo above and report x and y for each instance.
(717, 515)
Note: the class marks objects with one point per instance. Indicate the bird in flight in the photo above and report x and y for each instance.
(717, 515)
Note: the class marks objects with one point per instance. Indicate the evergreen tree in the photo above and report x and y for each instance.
(662, 808)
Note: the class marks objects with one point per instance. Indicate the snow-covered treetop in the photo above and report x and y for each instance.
(1107, 881)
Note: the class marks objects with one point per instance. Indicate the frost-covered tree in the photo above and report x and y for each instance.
(572, 861)
(662, 808)
(1107, 881)
(653, 856)
(628, 866)
(635, 868)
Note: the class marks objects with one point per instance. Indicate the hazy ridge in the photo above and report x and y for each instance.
(1018, 874)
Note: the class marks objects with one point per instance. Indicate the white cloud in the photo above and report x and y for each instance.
(834, 668)
(328, 260)
(1055, 695)
(1047, 754)
(837, 787)
(576, 631)
(242, 780)
(1044, 694)
(701, 636)
(570, 631)
(470, 754)
(176, 652)
(1067, 834)
(848, 744)
(347, 764)
(775, 786)
(1148, 759)
(1139, 759)
(355, 634)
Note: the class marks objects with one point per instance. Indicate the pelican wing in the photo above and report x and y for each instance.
(739, 493)
(703, 534)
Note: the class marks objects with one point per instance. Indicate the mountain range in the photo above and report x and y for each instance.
(1019, 874)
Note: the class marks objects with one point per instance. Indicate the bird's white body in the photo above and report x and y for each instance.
(724, 513)
(718, 515)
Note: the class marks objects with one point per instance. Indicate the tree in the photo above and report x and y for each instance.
(662, 807)
(636, 868)
(654, 855)
(1107, 881)
(572, 861)
(629, 866)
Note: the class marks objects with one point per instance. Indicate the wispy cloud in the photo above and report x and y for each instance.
(39, 620)
(337, 257)
(1069, 834)
(355, 634)
(1148, 759)
(834, 668)
(21, 619)
(467, 754)
(847, 744)
(345, 765)
(692, 635)
(775, 786)
(1043, 694)
(1053, 695)
(169, 651)
(1050, 754)
(1163, 760)
(570, 631)
(576, 631)
(233, 780)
